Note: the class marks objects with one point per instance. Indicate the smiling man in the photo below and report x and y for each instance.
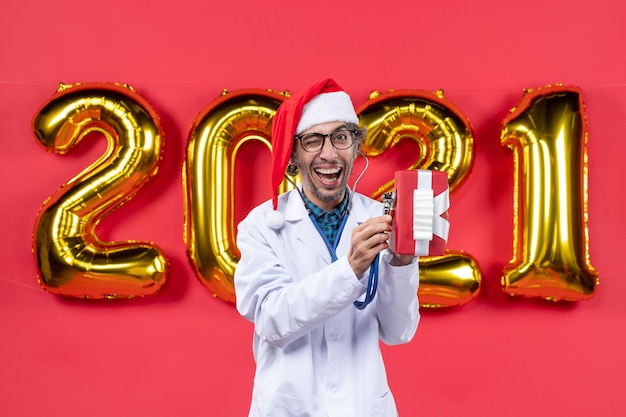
(316, 276)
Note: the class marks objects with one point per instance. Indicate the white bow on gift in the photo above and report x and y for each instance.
(427, 211)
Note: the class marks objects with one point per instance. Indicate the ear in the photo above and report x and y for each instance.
(292, 169)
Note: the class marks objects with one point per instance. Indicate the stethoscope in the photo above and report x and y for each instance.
(372, 280)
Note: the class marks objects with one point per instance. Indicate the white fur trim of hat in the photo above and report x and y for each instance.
(325, 108)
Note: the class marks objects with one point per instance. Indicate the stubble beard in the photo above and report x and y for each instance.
(311, 186)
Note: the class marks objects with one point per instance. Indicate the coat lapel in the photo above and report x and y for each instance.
(308, 235)
(305, 231)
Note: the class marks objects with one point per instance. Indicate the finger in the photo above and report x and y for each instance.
(386, 219)
(375, 228)
(378, 241)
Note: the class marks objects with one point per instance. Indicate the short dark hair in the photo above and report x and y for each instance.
(359, 132)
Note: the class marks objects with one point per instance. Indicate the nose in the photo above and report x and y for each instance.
(328, 150)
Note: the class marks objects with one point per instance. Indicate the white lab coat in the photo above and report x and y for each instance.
(316, 354)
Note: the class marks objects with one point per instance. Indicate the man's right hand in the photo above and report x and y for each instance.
(368, 239)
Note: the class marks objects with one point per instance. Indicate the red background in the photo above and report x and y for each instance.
(184, 353)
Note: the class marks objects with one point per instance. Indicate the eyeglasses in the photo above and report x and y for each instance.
(342, 138)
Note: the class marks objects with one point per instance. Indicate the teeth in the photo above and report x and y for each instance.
(328, 171)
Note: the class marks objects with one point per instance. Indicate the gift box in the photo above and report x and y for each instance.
(420, 213)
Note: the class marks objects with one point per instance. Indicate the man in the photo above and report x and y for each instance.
(306, 257)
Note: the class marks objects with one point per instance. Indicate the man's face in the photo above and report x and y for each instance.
(324, 173)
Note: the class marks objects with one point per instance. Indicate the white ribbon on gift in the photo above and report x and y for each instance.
(427, 211)
(423, 210)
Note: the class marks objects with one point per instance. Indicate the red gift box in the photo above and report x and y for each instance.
(420, 214)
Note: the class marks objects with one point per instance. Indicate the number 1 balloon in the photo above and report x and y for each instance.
(547, 133)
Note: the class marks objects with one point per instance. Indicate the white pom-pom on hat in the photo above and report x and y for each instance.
(275, 219)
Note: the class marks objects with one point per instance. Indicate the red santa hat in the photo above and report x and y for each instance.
(323, 102)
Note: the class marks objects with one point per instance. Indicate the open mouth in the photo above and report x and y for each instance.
(328, 176)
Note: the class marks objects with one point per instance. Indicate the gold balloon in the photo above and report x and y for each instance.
(449, 280)
(70, 258)
(547, 134)
(216, 135)
(445, 140)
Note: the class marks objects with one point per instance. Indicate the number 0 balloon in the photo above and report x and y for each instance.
(216, 136)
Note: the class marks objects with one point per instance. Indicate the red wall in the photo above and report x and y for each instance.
(182, 352)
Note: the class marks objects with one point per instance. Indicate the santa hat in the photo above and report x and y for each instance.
(323, 102)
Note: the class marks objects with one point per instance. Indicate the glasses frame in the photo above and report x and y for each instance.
(329, 136)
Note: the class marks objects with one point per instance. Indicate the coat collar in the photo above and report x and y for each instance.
(297, 214)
